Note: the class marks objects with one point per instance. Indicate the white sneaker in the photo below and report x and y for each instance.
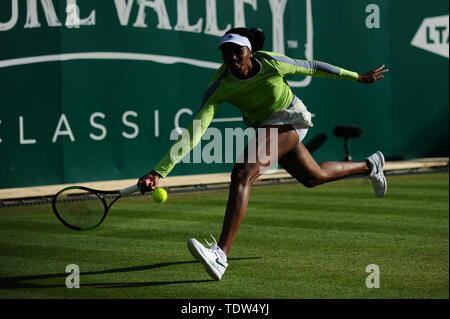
(377, 177)
(213, 258)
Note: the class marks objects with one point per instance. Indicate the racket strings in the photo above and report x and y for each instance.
(80, 208)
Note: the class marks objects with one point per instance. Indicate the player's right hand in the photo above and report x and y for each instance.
(148, 182)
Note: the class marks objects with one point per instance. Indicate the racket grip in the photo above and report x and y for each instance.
(129, 190)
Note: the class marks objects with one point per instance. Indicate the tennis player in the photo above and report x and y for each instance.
(253, 80)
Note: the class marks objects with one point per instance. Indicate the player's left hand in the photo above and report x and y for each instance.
(373, 76)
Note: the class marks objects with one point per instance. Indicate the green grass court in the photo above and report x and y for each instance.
(294, 243)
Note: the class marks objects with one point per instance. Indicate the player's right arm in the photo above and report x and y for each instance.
(188, 139)
(182, 146)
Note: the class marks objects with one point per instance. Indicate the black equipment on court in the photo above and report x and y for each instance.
(347, 132)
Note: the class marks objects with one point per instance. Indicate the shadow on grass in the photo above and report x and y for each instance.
(18, 282)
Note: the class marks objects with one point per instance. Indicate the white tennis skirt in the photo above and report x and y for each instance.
(295, 114)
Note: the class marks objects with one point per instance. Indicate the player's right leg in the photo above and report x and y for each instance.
(214, 258)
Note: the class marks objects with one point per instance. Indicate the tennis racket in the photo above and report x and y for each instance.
(82, 208)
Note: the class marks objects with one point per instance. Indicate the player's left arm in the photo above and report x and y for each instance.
(288, 66)
(323, 69)
(319, 69)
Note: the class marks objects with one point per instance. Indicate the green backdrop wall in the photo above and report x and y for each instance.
(90, 90)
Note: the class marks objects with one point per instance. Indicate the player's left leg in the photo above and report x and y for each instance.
(302, 166)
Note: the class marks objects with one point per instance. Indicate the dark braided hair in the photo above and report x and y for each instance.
(256, 37)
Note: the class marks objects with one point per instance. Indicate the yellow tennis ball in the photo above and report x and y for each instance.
(160, 195)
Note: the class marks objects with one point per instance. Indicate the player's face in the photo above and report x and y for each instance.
(237, 59)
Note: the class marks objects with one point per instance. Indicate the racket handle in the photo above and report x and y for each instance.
(129, 190)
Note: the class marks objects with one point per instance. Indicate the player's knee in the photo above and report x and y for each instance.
(243, 174)
(315, 180)
(309, 184)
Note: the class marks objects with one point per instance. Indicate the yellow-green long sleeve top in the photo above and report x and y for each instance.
(257, 97)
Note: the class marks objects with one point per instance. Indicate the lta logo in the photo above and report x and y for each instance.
(433, 35)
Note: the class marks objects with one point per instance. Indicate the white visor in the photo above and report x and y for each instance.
(237, 39)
